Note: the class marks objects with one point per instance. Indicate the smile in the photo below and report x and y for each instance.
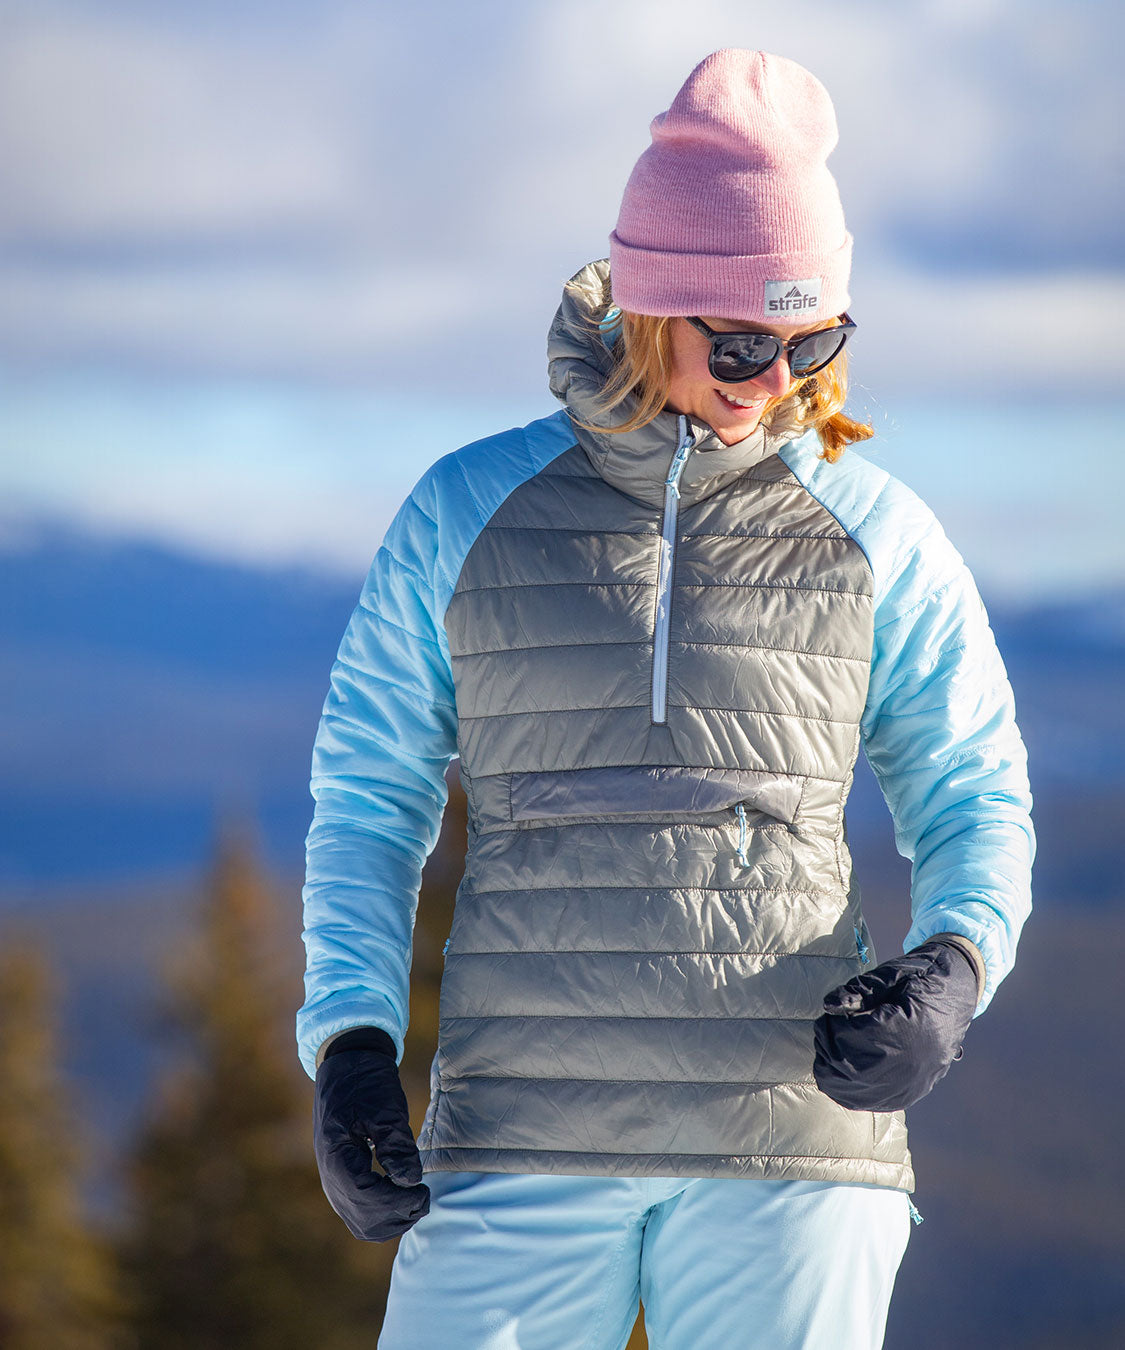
(740, 402)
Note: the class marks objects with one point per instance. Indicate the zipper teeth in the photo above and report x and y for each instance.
(660, 634)
(740, 812)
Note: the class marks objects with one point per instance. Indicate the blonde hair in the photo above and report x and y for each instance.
(643, 366)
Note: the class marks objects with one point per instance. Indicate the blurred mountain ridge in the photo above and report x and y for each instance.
(152, 697)
(146, 692)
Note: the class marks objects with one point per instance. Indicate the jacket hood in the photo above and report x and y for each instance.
(579, 362)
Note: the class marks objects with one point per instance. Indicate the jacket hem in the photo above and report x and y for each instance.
(752, 1166)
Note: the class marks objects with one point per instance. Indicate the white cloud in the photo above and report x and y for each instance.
(280, 474)
(984, 117)
(316, 196)
(118, 130)
(332, 323)
(1056, 335)
(449, 331)
(258, 471)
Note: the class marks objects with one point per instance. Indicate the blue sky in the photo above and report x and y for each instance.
(234, 236)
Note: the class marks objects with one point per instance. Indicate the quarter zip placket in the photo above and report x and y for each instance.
(660, 633)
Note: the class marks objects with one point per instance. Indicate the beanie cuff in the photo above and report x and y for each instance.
(749, 286)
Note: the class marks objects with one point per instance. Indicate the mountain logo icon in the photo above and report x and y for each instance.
(793, 295)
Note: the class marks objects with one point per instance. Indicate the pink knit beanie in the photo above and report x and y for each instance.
(731, 212)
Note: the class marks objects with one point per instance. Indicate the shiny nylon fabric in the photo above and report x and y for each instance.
(634, 965)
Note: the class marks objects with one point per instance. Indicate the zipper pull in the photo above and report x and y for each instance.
(860, 946)
(913, 1212)
(740, 812)
(448, 940)
(672, 482)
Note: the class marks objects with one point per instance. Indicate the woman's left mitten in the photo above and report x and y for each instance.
(887, 1036)
(360, 1110)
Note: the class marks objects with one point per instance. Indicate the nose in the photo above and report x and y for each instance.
(775, 382)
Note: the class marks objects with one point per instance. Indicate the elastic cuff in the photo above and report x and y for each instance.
(972, 951)
(359, 1038)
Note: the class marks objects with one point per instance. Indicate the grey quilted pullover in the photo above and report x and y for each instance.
(659, 688)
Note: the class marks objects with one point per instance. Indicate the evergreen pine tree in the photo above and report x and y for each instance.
(233, 1243)
(57, 1285)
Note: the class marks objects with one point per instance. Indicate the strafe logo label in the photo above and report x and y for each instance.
(793, 297)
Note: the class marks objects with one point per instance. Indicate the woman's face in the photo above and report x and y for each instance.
(695, 391)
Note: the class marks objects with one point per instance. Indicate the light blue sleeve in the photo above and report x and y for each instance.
(940, 733)
(386, 737)
(387, 734)
(939, 726)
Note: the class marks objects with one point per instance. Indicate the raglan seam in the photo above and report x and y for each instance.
(483, 520)
(848, 533)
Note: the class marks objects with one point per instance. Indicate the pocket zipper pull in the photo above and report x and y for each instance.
(740, 812)
(913, 1212)
(448, 940)
(860, 945)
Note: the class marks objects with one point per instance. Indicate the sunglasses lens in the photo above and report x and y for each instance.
(741, 356)
(814, 352)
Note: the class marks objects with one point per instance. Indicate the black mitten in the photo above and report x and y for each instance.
(360, 1110)
(887, 1036)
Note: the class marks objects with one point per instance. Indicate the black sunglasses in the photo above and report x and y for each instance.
(736, 357)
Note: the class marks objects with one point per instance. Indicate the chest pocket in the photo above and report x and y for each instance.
(651, 792)
(746, 816)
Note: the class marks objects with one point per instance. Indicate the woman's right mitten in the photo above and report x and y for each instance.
(360, 1111)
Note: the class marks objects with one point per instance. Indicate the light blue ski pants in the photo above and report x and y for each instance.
(508, 1261)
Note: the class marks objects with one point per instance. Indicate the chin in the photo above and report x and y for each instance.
(732, 435)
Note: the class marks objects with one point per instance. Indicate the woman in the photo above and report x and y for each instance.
(656, 627)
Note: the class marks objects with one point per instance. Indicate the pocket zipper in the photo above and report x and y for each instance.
(740, 812)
